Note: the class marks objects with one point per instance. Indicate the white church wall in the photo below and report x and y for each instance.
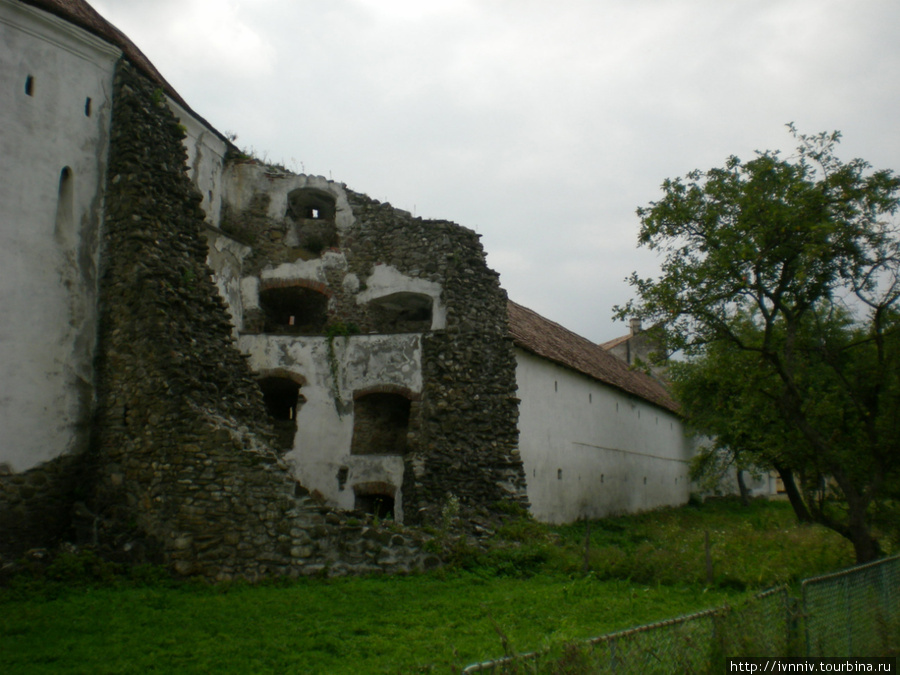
(54, 122)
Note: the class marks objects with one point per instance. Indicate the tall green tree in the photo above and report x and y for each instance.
(730, 400)
(779, 282)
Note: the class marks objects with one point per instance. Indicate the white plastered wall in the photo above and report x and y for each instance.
(241, 182)
(325, 421)
(590, 450)
(205, 160)
(49, 255)
(225, 259)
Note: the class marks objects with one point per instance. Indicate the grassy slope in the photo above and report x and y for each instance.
(757, 546)
(346, 626)
(525, 597)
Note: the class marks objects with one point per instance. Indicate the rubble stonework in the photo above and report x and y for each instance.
(185, 466)
(462, 430)
(467, 438)
(36, 505)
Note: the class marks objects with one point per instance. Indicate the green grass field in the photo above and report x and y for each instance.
(79, 617)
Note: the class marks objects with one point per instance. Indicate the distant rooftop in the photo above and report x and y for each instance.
(635, 328)
(615, 342)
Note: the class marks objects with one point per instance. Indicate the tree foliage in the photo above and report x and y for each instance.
(780, 282)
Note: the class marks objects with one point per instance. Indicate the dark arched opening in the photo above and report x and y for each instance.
(311, 204)
(401, 313)
(282, 399)
(380, 506)
(376, 498)
(294, 310)
(312, 212)
(380, 424)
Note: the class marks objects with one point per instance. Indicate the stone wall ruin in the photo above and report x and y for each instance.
(398, 317)
(360, 359)
(335, 336)
(186, 471)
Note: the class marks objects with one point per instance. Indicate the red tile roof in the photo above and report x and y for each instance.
(542, 337)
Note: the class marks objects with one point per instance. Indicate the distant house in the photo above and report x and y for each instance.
(639, 349)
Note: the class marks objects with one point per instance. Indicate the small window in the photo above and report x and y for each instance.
(87, 107)
(29, 85)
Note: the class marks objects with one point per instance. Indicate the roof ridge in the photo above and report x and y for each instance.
(550, 340)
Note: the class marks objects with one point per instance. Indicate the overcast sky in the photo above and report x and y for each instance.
(541, 125)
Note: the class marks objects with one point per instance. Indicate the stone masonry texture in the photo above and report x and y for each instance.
(466, 439)
(462, 435)
(185, 468)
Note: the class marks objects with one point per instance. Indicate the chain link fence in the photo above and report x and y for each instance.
(855, 612)
(851, 613)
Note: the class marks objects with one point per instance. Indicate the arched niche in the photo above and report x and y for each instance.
(380, 424)
(282, 399)
(293, 310)
(64, 227)
(401, 312)
(311, 218)
(376, 498)
(311, 204)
